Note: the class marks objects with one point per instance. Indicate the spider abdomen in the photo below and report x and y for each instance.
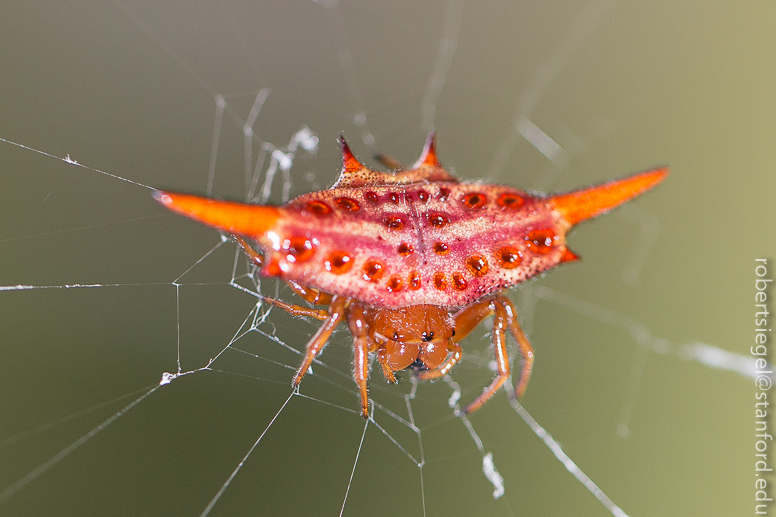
(443, 243)
(415, 236)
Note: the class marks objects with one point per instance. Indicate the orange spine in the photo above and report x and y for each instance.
(236, 218)
(594, 201)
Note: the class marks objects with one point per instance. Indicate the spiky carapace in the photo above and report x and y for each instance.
(409, 244)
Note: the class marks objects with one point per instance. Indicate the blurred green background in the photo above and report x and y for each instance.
(128, 88)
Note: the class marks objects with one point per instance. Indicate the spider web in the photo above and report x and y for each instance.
(141, 373)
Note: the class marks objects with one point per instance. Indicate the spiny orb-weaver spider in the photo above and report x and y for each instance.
(412, 260)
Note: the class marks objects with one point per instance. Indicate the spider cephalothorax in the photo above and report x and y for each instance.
(412, 260)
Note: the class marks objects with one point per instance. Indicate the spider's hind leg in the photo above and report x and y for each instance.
(313, 296)
(388, 161)
(256, 256)
(310, 294)
(297, 310)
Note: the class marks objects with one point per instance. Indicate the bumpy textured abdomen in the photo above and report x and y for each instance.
(415, 236)
(440, 243)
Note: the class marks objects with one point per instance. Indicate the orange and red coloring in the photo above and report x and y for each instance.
(412, 260)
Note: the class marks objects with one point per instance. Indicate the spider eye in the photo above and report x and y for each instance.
(395, 336)
(427, 336)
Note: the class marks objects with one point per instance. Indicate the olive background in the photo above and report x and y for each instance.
(128, 88)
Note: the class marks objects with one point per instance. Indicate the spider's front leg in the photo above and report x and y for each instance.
(505, 318)
(314, 347)
(358, 327)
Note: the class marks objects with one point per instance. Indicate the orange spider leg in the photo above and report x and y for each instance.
(502, 358)
(358, 327)
(505, 318)
(526, 350)
(310, 294)
(255, 256)
(388, 161)
(297, 310)
(445, 367)
(314, 347)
